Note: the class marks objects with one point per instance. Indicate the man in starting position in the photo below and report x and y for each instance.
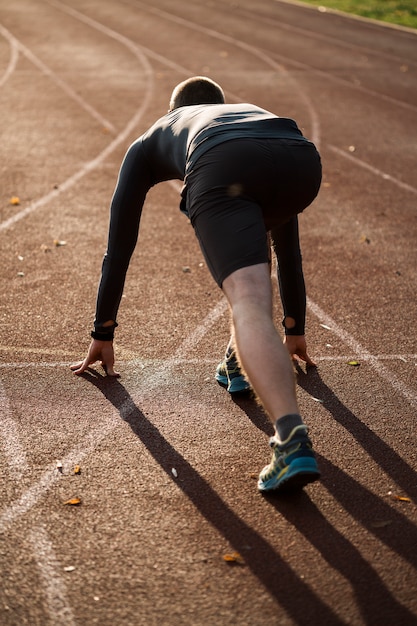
(245, 172)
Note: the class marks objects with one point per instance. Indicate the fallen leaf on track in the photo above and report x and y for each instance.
(402, 498)
(233, 557)
(73, 501)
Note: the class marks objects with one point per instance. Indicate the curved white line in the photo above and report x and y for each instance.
(53, 585)
(372, 169)
(122, 136)
(362, 353)
(57, 605)
(10, 441)
(58, 81)
(313, 34)
(346, 83)
(14, 55)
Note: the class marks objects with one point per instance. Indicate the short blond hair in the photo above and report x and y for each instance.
(196, 90)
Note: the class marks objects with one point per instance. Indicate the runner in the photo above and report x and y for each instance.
(245, 172)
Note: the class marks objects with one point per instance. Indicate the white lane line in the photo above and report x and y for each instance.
(37, 490)
(404, 358)
(10, 441)
(372, 169)
(14, 55)
(363, 353)
(157, 378)
(34, 493)
(346, 83)
(53, 585)
(122, 136)
(58, 81)
(319, 37)
(198, 333)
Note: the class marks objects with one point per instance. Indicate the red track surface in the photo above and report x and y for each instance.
(78, 82)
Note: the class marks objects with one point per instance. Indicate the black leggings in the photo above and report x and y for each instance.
(242, 188)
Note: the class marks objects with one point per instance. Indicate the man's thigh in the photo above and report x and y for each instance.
(231, 232)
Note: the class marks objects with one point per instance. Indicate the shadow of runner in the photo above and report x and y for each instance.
(391, 462)
(379, 518)
(292, 593)
(374, 600)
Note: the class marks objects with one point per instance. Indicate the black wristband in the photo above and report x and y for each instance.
(297, 329)
(102, 336)
(104, 333)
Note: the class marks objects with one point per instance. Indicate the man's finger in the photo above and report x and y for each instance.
(76, 366)
(79, 368)
(309, 361)
(110, 370)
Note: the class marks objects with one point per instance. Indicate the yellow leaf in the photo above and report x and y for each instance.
(73, 501)
(402, 498)
(354, 363)
(233, 557)
(14, 200)
(77, 469)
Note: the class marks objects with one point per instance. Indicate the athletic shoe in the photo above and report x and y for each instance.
(229, 375)
(293, 463)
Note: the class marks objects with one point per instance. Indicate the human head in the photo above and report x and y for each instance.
(196, 90)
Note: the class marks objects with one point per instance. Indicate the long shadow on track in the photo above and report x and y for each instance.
(290, 591)
(386, 458)
(374, 599)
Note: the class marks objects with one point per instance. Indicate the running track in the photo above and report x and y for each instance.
(168, 462)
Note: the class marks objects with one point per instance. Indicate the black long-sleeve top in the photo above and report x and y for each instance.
(167, 151)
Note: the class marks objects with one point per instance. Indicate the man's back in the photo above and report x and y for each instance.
(175, 142)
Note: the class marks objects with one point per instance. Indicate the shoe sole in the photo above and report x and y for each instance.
(300, 473)
(234, 387)
(222, 380)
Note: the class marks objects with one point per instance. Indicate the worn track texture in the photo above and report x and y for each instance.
(168, 460)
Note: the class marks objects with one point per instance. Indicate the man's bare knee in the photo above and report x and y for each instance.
(247, 283)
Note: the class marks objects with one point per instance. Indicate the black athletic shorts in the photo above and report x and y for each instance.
(240, 189)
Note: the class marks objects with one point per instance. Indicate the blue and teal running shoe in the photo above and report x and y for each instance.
(293, 463)
(229, 375)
